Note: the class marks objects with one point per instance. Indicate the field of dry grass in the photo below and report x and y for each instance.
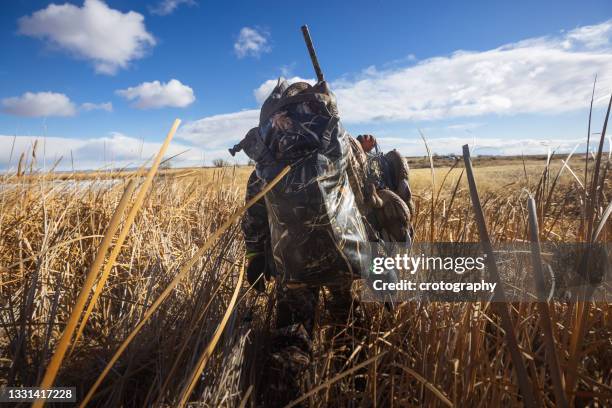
(432, 354)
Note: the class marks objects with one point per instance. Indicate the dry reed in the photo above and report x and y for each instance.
(433, 354)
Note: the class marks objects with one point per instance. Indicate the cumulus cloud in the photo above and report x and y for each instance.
(150, 95)
(265, 89)
(592, 37)
(165, 7)
(114, 150)
(39, 104)
(484, 146)
(251, 43)
(218, 131)
(541, 75)
(107, 37)
(89, 106)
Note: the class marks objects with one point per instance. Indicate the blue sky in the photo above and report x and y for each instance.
(105, 79)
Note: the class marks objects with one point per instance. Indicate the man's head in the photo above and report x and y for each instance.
(368, 142)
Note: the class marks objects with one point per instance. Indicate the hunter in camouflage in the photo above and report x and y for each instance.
(308, 231)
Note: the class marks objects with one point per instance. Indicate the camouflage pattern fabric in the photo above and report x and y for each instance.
(357, 169)
(287, 366)
(291, 342)
(255, 222)
(378, 171)
(316, 233)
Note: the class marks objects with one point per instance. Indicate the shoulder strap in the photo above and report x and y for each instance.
(326, 137)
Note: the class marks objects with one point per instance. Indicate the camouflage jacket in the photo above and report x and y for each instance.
(255, 222)
(255, 226)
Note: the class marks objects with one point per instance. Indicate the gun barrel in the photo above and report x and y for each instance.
(313, 54)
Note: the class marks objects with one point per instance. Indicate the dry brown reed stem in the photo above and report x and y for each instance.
(450, 204)
(245, 399)
(433, 190)
(545, 317)
(180, 275)
(586, 153)
(199, 368)
(596, 189)
(20, 165)
(500, 301)
(551, 190)
(333, 380)
(428, 384)
(602, 222)
(60, 351)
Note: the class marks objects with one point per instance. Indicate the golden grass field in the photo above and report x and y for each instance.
(432, 354)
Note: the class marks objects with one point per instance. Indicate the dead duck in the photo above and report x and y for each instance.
(391, 212)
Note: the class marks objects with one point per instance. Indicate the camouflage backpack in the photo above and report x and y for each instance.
(317, 232)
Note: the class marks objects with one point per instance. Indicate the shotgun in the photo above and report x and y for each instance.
(313, 54)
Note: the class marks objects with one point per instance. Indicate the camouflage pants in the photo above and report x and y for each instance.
(298, 306)
(291, 343)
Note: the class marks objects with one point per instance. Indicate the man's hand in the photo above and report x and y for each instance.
(368, 142)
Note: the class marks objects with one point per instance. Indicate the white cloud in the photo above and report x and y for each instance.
(251, 42)
(116, 150)
(39, 104)
(592, 37)
(45, 104)
(465, 126)
(96, 32)
(484, 146)
(541, 75)
(89, 106)
(219, 131)
(149, 95)
(165, 7)
(264, 90)
(535, 76)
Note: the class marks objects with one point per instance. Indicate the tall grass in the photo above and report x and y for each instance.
(434, 354)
